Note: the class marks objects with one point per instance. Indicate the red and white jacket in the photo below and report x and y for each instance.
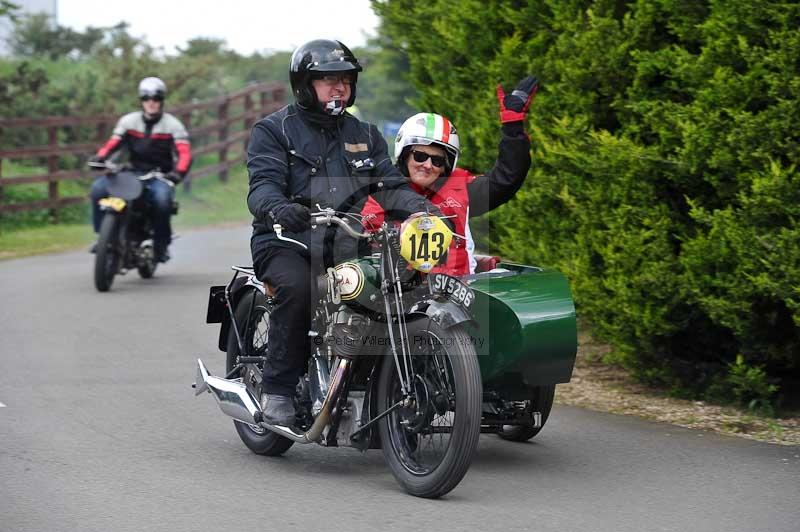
(162, 143)
(452, 198)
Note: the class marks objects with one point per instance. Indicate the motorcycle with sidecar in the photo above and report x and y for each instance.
(413, 362)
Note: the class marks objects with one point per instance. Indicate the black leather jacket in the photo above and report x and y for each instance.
(337, 162)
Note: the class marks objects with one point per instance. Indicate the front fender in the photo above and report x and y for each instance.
(444, 313)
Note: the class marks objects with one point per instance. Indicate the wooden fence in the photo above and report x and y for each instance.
(220, 126)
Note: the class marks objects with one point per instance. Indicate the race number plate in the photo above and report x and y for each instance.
(453, 288)
(424, 240)
(116, 204)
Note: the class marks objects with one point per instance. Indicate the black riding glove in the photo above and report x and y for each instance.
(294, 217)
(175, 177)
(514, 106)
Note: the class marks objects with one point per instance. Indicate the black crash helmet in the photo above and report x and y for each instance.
(317, 58)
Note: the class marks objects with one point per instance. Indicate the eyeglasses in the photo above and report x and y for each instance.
(156, 98)
(335, 79)
(436, 160)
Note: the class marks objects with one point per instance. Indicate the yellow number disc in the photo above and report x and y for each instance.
(113, 203)
(424, 240)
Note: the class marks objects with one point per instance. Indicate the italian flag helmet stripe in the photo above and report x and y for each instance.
(437, 127)
(430, 126)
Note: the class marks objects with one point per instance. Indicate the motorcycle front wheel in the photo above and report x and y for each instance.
(106, 259)
(429, 442)
(252, 319)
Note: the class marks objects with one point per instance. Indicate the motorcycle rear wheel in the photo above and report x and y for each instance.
(254, 326)
(147, 265)
(429, 446)
(106, 259)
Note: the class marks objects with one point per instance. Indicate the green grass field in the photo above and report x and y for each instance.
(210, 202)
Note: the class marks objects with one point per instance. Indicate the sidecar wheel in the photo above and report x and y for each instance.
(541, 401)
(254, 326)
(429, 445)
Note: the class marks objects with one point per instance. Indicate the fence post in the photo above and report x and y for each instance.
(186, 118)
(52, 168)
(248, 120)
(263, 101)
(278, 94)
(223, 136)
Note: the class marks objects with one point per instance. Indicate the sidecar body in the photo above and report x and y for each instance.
(524, 330)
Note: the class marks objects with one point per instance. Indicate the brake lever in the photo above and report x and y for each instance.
(278, 228)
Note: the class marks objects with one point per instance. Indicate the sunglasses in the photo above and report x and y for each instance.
(436, 160)
(154, 98)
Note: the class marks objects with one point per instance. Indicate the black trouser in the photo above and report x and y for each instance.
(291, 276)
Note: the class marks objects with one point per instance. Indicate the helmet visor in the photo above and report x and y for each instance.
(335, 66)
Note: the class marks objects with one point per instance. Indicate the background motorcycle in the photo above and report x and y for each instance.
(125, 240)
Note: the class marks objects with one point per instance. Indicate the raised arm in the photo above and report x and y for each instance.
(496, 187)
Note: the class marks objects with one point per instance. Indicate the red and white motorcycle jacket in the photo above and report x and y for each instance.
(452, 198)
(152, 144)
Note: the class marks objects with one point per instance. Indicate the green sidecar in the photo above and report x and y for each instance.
(525, 336)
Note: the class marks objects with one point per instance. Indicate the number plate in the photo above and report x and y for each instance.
(453, 288)
(116, 204)
(424, 240)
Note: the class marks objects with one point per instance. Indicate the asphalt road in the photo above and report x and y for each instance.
(101, 432)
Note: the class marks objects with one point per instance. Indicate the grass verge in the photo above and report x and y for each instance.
(596, 385)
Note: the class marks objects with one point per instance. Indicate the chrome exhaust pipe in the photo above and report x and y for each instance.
(235, 400)
(232, 396)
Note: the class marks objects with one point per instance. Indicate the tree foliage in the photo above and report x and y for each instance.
(665, 179)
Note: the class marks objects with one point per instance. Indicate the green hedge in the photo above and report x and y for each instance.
(664, 181)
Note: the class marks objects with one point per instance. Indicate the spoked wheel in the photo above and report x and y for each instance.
(429, 441)
(106, 259)
(252, 318)
(541, 401)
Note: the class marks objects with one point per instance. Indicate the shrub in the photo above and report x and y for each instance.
(663, 181)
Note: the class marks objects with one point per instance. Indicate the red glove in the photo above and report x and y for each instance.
(514, 107)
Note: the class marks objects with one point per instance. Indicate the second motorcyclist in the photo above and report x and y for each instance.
(155, 140)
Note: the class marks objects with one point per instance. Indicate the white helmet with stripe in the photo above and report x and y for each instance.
(427, 129)
(152, 87)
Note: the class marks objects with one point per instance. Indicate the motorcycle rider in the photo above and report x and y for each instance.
(153, 138)
(307, 153)
(427, 150)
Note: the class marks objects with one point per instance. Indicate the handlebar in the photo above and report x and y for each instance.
(328, 217)
(113, 168)
(105, 165)
(323, 217)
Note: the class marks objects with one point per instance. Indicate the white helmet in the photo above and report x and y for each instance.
(427, 129)
(152, 87)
